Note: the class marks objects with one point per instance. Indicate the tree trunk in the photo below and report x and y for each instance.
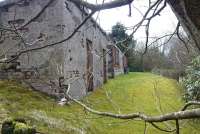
(188, 13)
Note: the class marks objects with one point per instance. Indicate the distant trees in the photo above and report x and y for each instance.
(119, 35)
(179, 56)
(124, 42)
(155, 58)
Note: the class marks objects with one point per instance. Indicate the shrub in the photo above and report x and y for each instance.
(170, 73)
(8, 127)
(17, 126)
(191, 81)
(21, 128)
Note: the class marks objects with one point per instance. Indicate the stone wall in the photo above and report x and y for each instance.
(113, 67)
(68, 59)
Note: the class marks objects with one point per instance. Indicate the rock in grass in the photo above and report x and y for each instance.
(17, 126)
(7, 127)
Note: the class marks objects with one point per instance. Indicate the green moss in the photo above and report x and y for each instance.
(125, 94)
(21, 128)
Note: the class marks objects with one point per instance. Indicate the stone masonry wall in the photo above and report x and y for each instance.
(68, 59)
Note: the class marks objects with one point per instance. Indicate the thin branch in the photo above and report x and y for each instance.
(179, 37)
(188, 114)
(38, 15)
(145, 127)
(159, 38)
(168, 40)
(161, 129)
(155, 13)
(177, 127)
(190, 104)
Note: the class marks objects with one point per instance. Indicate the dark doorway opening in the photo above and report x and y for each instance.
(90, 84)
(104, 67)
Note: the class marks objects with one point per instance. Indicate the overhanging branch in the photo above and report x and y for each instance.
(108, 5)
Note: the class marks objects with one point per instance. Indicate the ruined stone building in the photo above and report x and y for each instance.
(82, 60)
(115, 61)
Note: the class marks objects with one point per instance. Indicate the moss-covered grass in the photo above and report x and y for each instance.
(125, 94)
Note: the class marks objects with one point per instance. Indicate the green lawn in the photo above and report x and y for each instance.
(125, 94)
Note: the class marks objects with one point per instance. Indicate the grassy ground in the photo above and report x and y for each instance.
(135, 92)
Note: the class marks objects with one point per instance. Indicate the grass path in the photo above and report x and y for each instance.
(136, 92)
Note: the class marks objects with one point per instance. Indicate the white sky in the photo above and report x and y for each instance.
(165, 23)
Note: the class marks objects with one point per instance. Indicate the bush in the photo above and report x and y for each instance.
(17, 126)
(7, 127)
(170, 73)
(21, 128)
(191, 81)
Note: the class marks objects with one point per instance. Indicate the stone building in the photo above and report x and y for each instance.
(82, 60)
(116, 61)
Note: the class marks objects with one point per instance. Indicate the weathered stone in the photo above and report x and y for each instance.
(69, 59)
(3, 75)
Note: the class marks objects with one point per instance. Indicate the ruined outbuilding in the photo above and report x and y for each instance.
(82, 60)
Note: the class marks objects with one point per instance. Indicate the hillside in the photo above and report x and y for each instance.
(134, 92)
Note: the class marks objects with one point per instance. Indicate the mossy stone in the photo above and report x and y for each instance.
(17, 126)
(7, 127)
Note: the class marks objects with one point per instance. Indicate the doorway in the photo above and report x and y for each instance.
(104, 67)
(90, 77)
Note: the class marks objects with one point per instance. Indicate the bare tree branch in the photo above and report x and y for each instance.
(108, 5)
(161, 129)
(180, 115)
(38, 15)
(190, 104)
(179, 37)
(177, 127)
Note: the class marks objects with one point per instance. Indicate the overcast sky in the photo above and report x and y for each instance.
(165, 23)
